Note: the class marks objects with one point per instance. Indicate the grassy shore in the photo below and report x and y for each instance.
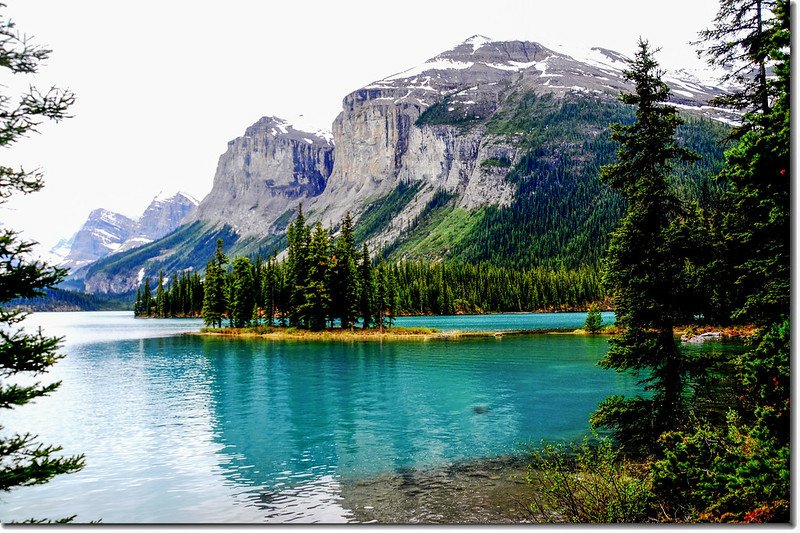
(334, 334)
(425, 333)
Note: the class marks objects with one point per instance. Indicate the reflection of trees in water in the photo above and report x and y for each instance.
(289, 412)
(295, 418)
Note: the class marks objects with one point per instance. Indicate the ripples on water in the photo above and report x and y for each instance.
(191, 429)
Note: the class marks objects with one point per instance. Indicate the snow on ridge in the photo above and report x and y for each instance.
(302, 124)
(477, 41)
(163, 197)
(432, 64)
(188, 196)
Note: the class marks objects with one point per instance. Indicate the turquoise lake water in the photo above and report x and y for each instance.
(180, 428)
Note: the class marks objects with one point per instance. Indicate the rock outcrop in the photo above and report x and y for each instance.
(264, 175)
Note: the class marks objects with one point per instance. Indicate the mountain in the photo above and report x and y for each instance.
(487, 152)
(264, 175)
(164, 214)
(105, 233)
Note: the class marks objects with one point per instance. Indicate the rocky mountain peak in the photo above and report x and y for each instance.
(266, 173)
(295, 130)
(103, 233)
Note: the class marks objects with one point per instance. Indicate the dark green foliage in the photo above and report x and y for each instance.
(344, 275)
(594, 321)
(381, 212)
(736, 470)
(299, 238)
(315, 309)
(450, 113)
(449, 288)
(756, 222)
(366, 287)
(741, 42)
(499, 162)
(57, 299)
(561, 214)
(25, 355)
(643, 265)
(739, 472)
(160, 304)
(215, 301)
(243, 291)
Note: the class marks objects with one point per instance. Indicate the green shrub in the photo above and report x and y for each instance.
(588, 483)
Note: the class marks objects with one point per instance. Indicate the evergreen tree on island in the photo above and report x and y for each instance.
(214, 290)
(242, 292)
(344, 274)
(594, 320)
(23, 460)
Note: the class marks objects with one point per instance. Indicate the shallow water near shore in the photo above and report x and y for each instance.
(182, 428)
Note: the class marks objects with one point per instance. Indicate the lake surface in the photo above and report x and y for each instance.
(181, 428)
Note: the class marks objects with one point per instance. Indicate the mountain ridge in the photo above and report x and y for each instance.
(456, 126)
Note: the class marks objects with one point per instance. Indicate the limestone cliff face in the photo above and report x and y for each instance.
(429, 124)
(264, 174)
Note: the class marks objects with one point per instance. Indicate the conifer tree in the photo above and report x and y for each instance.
(642, 264)
(23, 460)
(742, 471)
(594, 320)
(298, 239)
(740, 42)
(316, 300)
(270, 289)
(160, 295)
(242, 292)
(258, 288)
(344, 275)
(214, 289)
(381, 299)
(137, 306)
(146, 298)
(366, 287)
(391, 296)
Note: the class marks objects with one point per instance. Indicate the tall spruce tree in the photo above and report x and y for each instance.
(270, 289)
(298, 237)
(742, 472)
(214, 288)
(641, 267)
(344, 275)
(23, 460)
(160, 295)
(317, 300)
(242, 292)
(366, 287)
(739, 42)
(146, 297)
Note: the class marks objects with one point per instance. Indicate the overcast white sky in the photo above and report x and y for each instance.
(162, 86)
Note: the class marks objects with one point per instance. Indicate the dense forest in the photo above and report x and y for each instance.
(327, 270)
(561, 215)
(673, 456)
(58, 299)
